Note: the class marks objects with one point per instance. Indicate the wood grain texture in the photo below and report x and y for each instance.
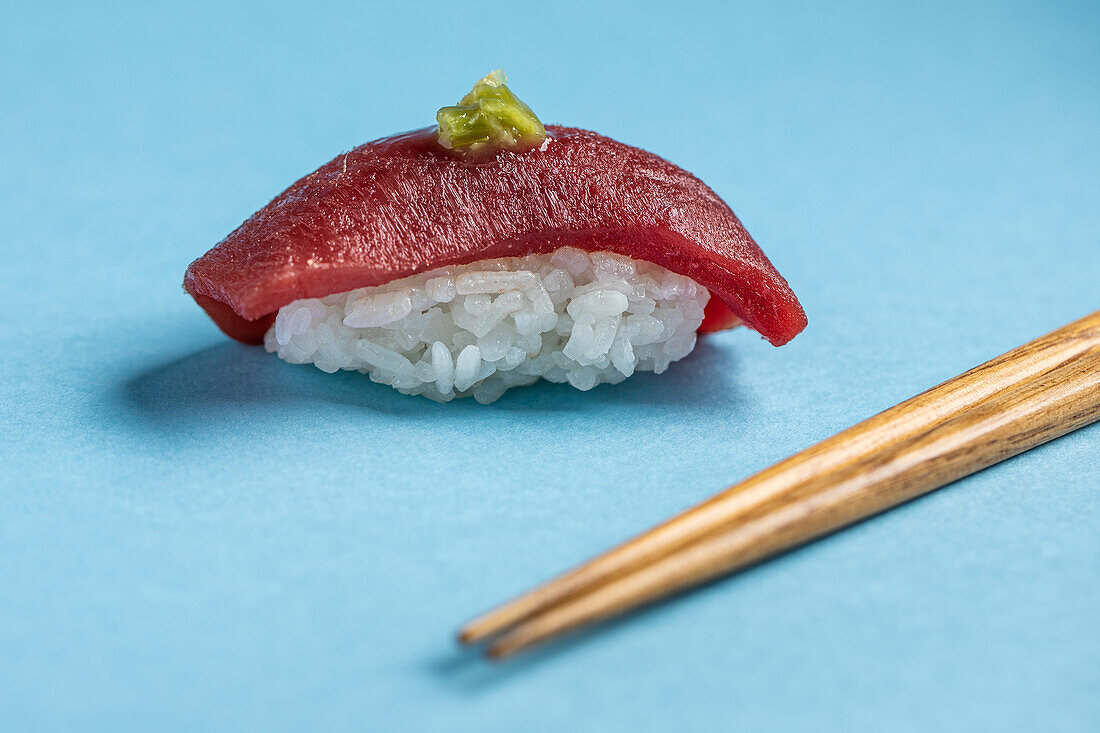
(1028, 396)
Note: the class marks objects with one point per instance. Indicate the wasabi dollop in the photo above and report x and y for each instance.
(488, 120)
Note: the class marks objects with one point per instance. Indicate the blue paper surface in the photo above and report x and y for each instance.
(195, 535)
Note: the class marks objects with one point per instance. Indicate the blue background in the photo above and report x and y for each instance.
(194, 534)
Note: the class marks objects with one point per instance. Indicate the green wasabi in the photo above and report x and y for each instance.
(488, 120)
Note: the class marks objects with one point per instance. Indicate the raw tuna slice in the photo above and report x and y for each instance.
(401, 206)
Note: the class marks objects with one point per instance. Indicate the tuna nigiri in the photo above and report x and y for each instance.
(488, 252)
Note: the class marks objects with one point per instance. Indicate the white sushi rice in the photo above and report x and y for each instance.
(480, 329)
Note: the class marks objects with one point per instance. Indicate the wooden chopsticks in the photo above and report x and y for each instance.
(1032, 394)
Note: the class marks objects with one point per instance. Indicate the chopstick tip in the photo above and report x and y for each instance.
(481, 628)
(500, 650)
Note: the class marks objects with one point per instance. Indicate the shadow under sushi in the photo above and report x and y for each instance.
(220, 381)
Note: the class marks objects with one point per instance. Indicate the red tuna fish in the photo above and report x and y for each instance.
(401, 205)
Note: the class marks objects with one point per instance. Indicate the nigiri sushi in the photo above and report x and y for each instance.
(490, 251)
